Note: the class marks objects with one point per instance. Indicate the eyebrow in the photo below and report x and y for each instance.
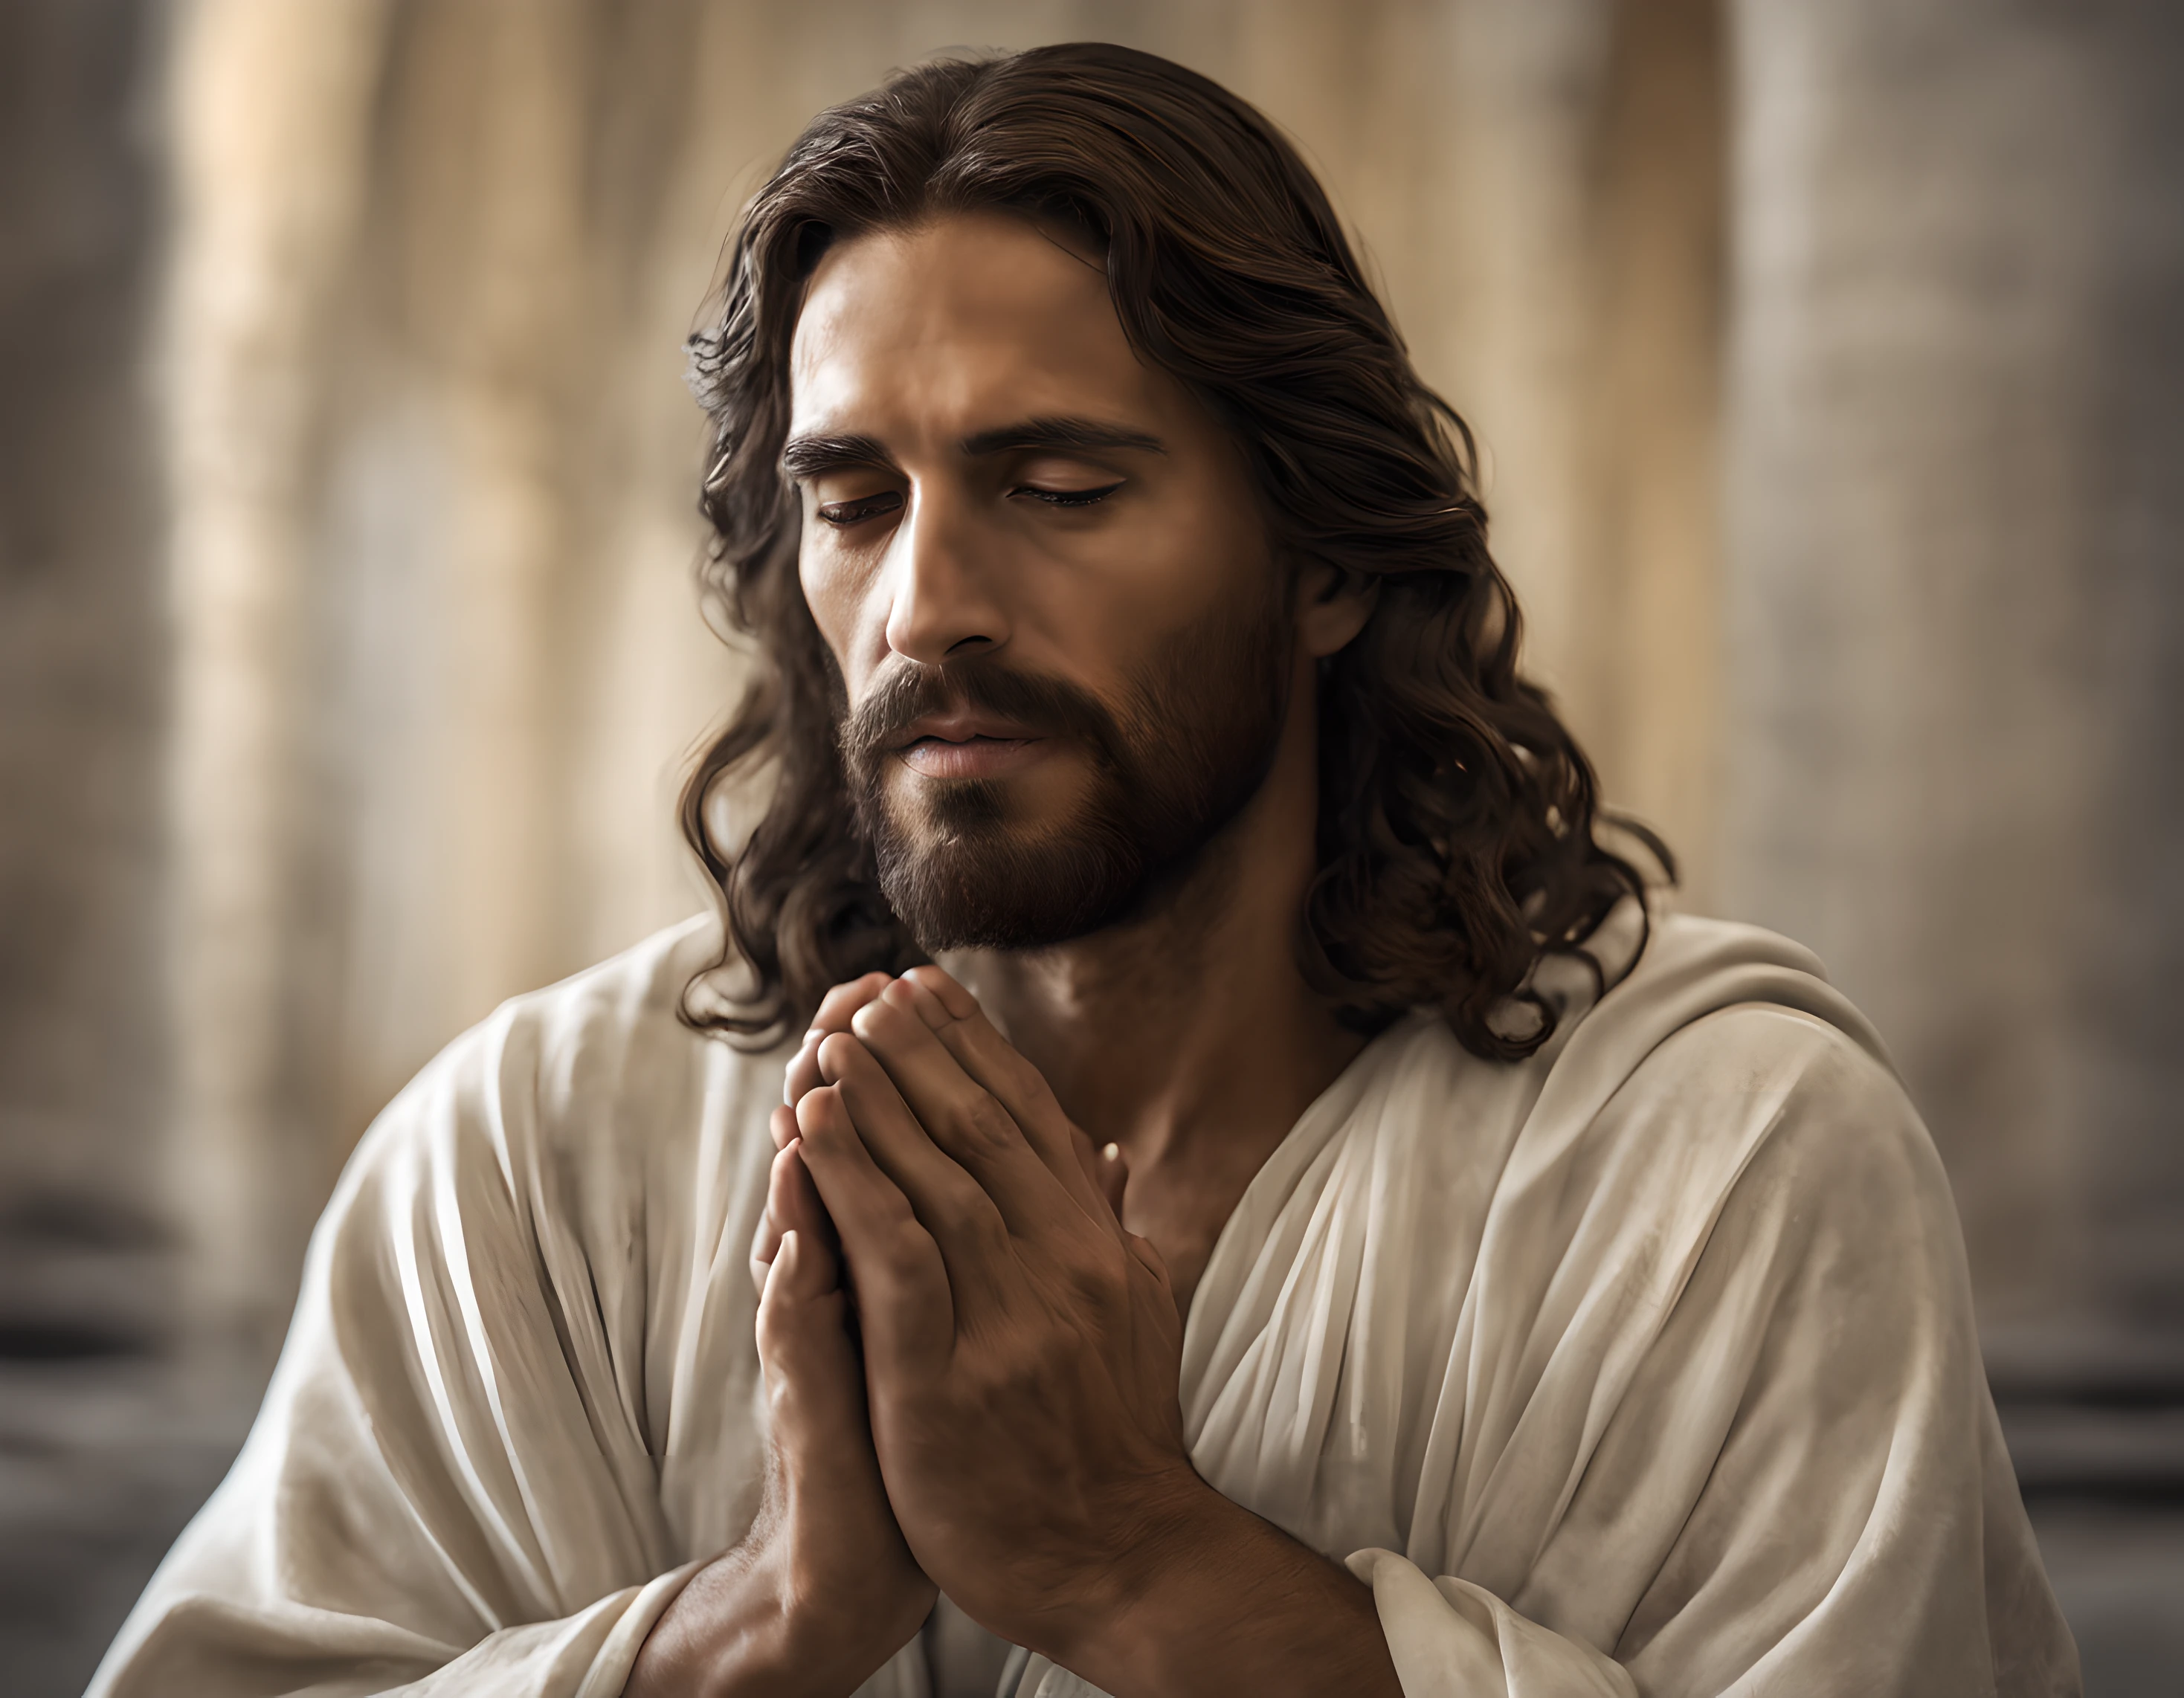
(813, 456)
(1062, 433)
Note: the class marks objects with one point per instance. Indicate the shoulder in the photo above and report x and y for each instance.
(630, 998)
(1737, 1078)
(1711, 1008)
(1732, 1020)
(1722, 1062)
(1758, 1076)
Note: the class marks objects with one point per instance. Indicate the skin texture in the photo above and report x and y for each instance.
(1020, 1294)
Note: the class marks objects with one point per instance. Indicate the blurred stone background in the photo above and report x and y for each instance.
(1827, 354)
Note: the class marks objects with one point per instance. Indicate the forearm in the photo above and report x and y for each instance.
(1228, 1602)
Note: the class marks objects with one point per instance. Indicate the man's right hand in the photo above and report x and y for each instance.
(823, 1590)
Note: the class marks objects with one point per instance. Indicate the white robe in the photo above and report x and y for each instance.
(1643, 1367)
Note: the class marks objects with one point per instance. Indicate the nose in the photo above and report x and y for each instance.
(943, 604)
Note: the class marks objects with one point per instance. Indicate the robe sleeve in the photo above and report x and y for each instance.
(1450, 1639)
(444, 1492)
(1782, 1471)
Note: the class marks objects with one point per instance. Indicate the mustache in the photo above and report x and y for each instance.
(1042, 703)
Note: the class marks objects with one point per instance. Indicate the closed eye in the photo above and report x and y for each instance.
(843, 514)
(1067, 498)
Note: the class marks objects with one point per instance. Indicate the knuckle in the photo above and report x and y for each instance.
(965, 1213)
(1098, 1278)
(877, 1022)
(1005, 1380)
(837, 1052)
(984, 1125)
(817, 1116)
(851, 993)
(904, 1249)
(943, 986)
(926, 1009)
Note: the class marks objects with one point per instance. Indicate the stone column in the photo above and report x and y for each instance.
(103, 1454)
(1955, 671)
(269, 123)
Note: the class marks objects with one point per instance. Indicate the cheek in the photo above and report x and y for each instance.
(834, 592)
(1197, 567)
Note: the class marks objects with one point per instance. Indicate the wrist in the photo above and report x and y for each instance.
(1218, 1600)
(725, 1632)
(831, 1631)
(1183, 1539)
(744, 1625)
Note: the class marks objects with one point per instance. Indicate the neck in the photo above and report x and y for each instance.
(1189, 1033)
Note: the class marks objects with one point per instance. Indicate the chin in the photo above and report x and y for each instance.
(969, 877)
(1060, 849)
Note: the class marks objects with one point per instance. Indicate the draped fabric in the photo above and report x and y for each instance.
(1643, 1367)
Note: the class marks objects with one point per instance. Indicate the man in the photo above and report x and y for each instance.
(1318, 1234)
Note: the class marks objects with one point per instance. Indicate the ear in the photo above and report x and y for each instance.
(1333, 604)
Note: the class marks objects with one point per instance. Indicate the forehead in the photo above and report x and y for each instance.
(960, 324)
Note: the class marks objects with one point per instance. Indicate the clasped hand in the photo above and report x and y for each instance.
(1020, 1349)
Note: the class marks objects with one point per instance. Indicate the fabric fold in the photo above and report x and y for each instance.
(1645, 1365)
(1448, 1638)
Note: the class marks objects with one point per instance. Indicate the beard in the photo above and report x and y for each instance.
(1173, 764)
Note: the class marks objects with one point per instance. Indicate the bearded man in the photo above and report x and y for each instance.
(1321, 1233)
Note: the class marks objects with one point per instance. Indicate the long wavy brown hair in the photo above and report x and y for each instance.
(1459, 822)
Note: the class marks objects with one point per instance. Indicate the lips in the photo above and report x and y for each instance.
(961, 724)
(970, 718)
(966, 743)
